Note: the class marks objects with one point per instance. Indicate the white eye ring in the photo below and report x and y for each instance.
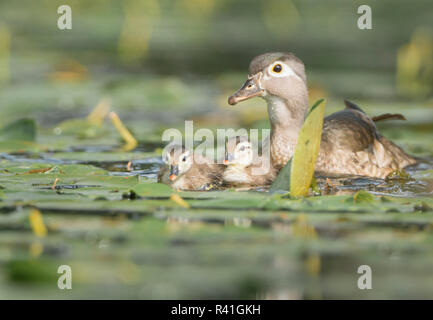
(286, 71)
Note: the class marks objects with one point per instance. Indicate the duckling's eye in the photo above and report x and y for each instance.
(277, 68)
(184, 159)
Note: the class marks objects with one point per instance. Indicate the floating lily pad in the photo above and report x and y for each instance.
(153, 190)
(19, 130)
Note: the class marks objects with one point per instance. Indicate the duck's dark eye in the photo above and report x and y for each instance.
(277, 68)
(184, 159)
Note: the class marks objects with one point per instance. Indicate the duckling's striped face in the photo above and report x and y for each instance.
(239, 154)
(179, 162)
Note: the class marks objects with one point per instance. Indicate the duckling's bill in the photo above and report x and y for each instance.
(229, 158)
(174, 172)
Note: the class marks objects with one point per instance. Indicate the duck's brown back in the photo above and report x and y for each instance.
(351, 144)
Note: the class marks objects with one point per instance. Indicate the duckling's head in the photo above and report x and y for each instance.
(239, 151)
(277, 74)
(179, 161)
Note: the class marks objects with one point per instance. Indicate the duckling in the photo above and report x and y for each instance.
(187, 171)
(242, 171)
(351, 143)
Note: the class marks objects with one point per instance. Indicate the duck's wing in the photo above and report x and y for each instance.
(352, 144)
(349, 130)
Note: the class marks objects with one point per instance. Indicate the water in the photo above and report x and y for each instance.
(149, 167)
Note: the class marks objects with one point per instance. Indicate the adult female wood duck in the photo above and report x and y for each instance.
(351, 143)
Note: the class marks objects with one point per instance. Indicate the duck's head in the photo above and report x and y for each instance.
(239, 151)
(278, 74)
(179, 161)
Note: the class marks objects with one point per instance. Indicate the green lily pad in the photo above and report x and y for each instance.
(19, 130)
(19, 136)
(363, 197)
(81, 128)
(153, 190)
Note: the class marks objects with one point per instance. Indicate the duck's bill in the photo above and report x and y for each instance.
(228, 158)
(174, 172)
(250, 89)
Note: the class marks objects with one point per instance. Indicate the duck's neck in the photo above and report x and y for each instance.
(286, 117)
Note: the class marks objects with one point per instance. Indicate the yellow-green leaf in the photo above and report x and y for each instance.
(306, 151)
(37, 223)
(178, 199)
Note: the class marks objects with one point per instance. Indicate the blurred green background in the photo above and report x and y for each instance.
(158, 63)
(187, 55)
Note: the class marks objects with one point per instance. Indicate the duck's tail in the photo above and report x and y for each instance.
(388, 116)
